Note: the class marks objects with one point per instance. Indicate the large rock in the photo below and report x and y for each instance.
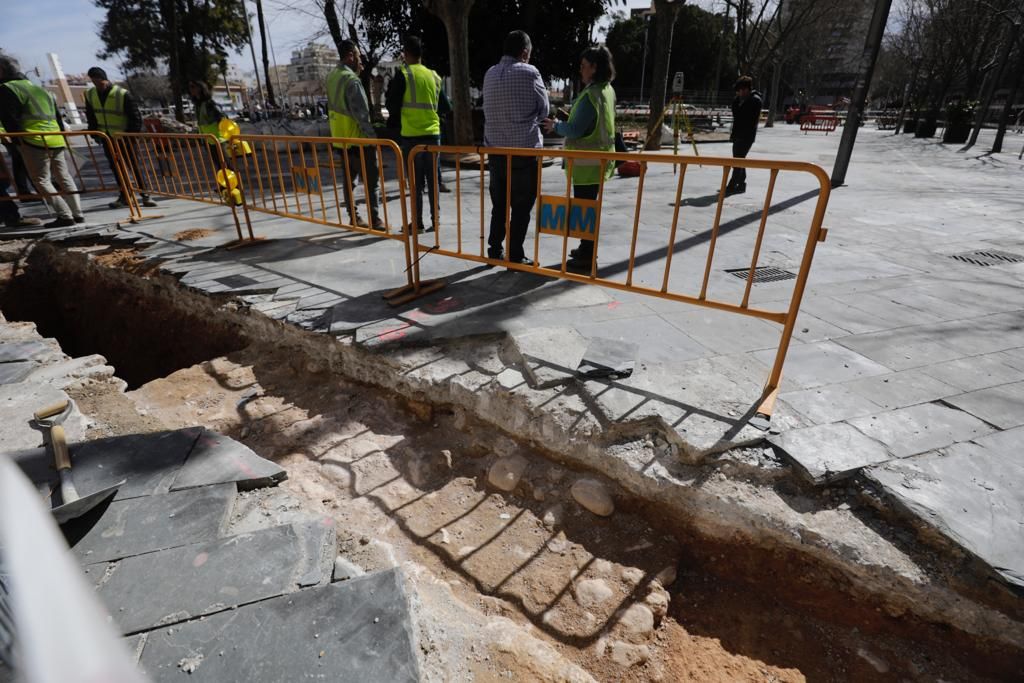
(505, 473)
(592, 593)
(594, 496)
(637, 620)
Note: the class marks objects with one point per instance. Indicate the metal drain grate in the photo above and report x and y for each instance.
(763, 274)
(989, 257)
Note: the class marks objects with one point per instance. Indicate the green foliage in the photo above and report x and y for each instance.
(140, 33)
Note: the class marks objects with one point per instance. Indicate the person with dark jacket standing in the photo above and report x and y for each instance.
(746, 111)
(111, 109)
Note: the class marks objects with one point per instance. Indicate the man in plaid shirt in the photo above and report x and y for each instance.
(515, 102)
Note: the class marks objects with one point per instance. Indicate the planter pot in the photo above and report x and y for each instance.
(909, 126)
(957, 133)
(925, 128)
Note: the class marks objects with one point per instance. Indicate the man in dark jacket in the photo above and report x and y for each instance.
(746, 111)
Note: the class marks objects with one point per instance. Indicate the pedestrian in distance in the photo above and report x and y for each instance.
(26, 108)
(415, 99)
(349, 117)
(591, 127)
(515, 103)
(111, 109)
(746, 112)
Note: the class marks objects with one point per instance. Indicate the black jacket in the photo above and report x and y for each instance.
(745, 115)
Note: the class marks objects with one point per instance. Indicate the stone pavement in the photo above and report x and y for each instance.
(200, 585)
(907, 365)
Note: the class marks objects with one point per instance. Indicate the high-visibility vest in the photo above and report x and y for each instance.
(38, 113)
(110, 114)
(208, 123)
(419, 103)
(343, 124)
(602, 139)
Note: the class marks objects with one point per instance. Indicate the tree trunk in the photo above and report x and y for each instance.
(170, 16)
(455, 16)
(266, 57)
(773, 95)
(1004, 118)
(665, 13)
(333, 25)
(1011, 38)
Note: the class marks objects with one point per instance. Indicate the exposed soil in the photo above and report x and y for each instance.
(193, 234)
(603, 592)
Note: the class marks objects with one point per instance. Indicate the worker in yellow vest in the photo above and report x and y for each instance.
(415, 98)
(27, 108)
(591, 128)
(208, 116)
(111, 109)
(10, 215)
(349, 117)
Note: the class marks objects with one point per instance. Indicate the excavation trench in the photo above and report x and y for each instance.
(398, 465)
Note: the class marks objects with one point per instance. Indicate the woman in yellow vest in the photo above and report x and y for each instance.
(208, 116)
(591, 127)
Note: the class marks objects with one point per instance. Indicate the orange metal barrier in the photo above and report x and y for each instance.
(555, 212)
(818, 122)
(181, 166)
(92, 173)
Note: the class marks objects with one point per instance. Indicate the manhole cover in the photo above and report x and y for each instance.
(988, 257)
(763, 274)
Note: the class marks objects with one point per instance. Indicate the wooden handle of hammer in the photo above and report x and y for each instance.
(59, 443)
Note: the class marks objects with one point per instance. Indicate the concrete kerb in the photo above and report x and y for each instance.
(721, 502)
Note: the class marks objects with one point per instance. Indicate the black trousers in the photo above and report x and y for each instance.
(22, 183)
(523, 196)
(740, 148)
(132, 162)
(356, 156)
(585, 251)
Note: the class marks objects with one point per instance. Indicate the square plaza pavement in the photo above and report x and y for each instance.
(907, 364)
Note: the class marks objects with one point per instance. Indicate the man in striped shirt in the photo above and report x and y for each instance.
(515, 102)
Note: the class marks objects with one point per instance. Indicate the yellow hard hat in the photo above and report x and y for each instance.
(228, 128)
(227, 178)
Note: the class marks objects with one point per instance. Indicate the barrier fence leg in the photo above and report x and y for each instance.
(241, 241)
(122, 166)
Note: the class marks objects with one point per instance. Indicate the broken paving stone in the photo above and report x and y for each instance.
(217, 459)
(357, 630)
(594, 496)
(550, 355)
(608, 358)
(506, 472)
(637, 620)
(593, 593)
(345, 570)
(12, 373)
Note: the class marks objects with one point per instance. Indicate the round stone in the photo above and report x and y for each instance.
(506, 472)
(593, 496)
(592, 593)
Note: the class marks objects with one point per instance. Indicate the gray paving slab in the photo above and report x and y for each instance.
(970, 494)
(830, 452)
(39, 351)
(830, 403)
(550, 355)
(608, 358)
(902, 348)
(218, 459)
(820, 363)
(901, 389)
(1002, 406)
(659, 341)
(1011, 439)
(920, 428)
(976, 372)
(168, 586)
(169, 520)
(358, 630)
(18, 404)
(725, 332)
(15, 371)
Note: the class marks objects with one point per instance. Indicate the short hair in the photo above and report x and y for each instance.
(600, 57)
(516, 42)
(743, 82)
(346, 47)
(8, 66)
(202, 87)
(413, 45)
(97, 72)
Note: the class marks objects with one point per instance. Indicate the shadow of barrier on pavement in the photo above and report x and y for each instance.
(559, 217)
(77, 152)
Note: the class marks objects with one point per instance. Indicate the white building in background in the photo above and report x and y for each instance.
(308, 70)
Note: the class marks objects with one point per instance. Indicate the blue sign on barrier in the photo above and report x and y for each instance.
(581, 214)
(306, 179)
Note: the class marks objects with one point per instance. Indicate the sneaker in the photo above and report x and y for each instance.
(20, 222)
(735, 189)
(147, 202)
(441, 187)
(60, 223)
(79, 219)
(522, 260)
(119, 204)
(579, 265)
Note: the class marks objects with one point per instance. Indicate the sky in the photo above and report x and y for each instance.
(30, 30)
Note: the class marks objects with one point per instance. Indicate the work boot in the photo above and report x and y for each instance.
(118, 204)
(20, 222)
(79, 219)
(60, 223)
(378, 225)
(441, 187)
(735, 188)
(147, 202)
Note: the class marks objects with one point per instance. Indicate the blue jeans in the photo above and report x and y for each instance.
(423, 175)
